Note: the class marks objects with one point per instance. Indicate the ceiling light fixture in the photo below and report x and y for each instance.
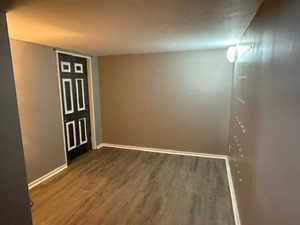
(232, 54)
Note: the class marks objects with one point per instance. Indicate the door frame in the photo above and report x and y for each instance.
(91, 98)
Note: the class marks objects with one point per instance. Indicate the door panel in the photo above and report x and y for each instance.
(74, 83)
(71, 135)
(68, 96)
(80, 94)
(82, 131)
(65, 67)
(78, 67)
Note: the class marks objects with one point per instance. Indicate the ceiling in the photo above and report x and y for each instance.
(109, 27)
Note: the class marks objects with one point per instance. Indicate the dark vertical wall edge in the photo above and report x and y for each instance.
(14, 207)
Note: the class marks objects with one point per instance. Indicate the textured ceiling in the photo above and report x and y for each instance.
(105, 27)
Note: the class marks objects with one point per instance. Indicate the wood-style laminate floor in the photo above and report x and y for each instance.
(125, 187)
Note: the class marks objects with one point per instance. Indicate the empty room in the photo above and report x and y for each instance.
(135, 112)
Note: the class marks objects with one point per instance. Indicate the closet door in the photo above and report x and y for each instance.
(74, 87)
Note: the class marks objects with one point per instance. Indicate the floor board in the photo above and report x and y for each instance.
(125, 187)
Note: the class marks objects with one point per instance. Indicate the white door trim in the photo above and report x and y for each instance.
(91, 103)
(73, 54)
(61, 105)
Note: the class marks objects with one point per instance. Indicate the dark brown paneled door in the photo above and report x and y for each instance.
(75, 99)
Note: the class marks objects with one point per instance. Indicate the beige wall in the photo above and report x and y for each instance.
(177, 100)
(35, 73)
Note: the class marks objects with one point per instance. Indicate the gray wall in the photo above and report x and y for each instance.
(177, 101)
(14, 207)
(35, 72)
(269, 192)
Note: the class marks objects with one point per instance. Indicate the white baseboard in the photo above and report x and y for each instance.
(195, 154)
(232, 193)
(161, 150)
(47, 176)
(100, 146)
